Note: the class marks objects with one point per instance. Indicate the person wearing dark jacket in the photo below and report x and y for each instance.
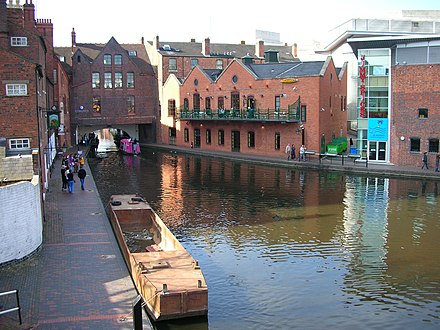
(70, 181)
(63, 177)
(82, 175)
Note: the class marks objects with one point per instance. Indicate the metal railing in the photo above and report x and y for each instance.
(240, 114)
(13, 309)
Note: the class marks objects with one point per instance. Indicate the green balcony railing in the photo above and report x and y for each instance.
(240, 114)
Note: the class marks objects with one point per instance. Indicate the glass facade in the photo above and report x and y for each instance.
(373, 103)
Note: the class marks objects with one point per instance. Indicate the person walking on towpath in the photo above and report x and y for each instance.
(82, 175)
(63, 176)
(293, 152)
(425, 161)
(288, 151)
(70, 180)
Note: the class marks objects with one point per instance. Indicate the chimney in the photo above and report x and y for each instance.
(45, 27)
(142, 40)
(295, 50)
(259, 49)
(3, 24)
(156, 44)
(193, 40)
(73, 39)
(242, 42)
(206, 47)
(29, 15)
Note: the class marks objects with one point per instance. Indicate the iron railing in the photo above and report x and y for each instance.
(13, 309)
(281, 115)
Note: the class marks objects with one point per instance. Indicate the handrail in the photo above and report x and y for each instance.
(240, 114)
(17, 308)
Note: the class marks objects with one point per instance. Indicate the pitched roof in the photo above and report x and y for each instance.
(194, 49)
(92, 51)
(286, 70)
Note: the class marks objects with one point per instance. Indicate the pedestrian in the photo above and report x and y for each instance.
(70, 181)
(425, 160)
(302, 153)
(437, 160)
(81, 161)
(63, 177)
(288, 151)
(82, 175)
(292, 152)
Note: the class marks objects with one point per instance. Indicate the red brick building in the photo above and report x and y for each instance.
(256, 108)
(112, 85)
(27, 72)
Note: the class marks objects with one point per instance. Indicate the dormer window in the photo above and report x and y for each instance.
(132, 53)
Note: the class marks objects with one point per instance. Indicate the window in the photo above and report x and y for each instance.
(78, 59)
(221, 137)
(221, 102)
(19, 41)
(235, 101)
(16, 89)
(208, 136)
(118, 59)
(118, 79)
(303, 112)
(186, 135)
(171, 107)
(423, 113)
(234, 79)
(19, 144)
(207, 103)
(433, 145)
(196, 101)
(277, 103)
(172, 64)
(194, 62)
(130, 104)
(96, 106)
(96, 80)
(219, 64)
(172, 132)
(132, 53)
(251, 139)
(130, 80)
(415, 144)
(108, 83)
(185, 104)
(107, 59)
(277, 141)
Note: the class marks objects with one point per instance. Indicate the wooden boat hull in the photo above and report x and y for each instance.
(165, 274)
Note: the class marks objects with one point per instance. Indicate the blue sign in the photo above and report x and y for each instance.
(378, 129)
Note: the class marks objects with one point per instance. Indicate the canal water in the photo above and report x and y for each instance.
(293, 249)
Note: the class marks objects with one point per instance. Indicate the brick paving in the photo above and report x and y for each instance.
(77, 279)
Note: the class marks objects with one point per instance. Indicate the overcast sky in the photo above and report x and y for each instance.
(226, 21)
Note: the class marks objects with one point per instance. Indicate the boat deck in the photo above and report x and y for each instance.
(177, 269)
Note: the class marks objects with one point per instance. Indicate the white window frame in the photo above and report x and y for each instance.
(16, 90)
(19, 41)
(19, 144)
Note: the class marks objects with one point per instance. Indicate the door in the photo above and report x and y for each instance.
(235, 141)
(377, 150)
(196, 138)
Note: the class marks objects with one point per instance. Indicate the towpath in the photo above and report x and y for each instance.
(78, 278)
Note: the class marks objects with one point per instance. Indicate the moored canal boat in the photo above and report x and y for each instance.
(166, 275)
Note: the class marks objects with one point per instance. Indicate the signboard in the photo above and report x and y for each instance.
(378, 129)
(362, 89)
(53, 118)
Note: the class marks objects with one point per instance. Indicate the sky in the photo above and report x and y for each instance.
(226, 21)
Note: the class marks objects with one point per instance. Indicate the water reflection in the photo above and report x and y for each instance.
(294, 249)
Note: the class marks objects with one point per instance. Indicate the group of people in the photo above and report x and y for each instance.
(425, 161)
(291, 152)
(72, 163)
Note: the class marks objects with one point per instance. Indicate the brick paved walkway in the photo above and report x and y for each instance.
(78, 278)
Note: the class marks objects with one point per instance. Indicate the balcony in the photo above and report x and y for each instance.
(272, 115)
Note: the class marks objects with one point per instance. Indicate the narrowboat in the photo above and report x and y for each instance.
(129, 146)
(167, 277)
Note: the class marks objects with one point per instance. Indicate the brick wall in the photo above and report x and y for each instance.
(21, 228)
(414, 87)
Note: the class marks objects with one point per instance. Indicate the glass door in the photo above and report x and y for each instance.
(377, 150)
